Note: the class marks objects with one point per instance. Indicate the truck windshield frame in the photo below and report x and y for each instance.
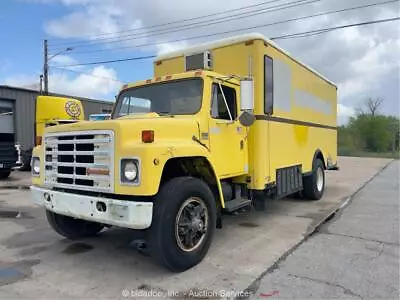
(164, 98)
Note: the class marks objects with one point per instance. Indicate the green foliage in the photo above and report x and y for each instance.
(368, 133)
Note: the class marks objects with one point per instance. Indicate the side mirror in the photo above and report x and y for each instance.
(247, 94)
(246, 119)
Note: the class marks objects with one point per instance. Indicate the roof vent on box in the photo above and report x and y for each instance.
(198, 61)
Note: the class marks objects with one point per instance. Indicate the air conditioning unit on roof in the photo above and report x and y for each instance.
(198, 61)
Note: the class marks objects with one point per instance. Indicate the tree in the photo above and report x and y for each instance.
(369, 131)
(372, 106)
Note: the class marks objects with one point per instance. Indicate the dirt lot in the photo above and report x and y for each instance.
(37, 263)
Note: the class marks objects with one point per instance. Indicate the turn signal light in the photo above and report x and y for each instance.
(147, 136)
(38, 141)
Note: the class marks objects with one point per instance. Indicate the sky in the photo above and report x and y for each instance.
(364, 61)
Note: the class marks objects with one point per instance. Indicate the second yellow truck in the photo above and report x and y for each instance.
(220, 126)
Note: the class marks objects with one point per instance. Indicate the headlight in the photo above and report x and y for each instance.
(35, 165)
(129, 171)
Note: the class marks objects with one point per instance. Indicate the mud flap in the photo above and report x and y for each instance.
(289, 181)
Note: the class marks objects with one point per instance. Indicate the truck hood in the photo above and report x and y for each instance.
(130, 128)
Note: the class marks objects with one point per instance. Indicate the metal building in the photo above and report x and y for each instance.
(24, 107)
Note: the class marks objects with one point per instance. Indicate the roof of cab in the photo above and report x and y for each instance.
(231, 41)
(172, 77)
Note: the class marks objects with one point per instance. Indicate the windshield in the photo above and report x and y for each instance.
(181, 97)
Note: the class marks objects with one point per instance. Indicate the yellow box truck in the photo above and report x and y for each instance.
(220, 126)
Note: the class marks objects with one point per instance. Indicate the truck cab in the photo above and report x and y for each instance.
(180, 131)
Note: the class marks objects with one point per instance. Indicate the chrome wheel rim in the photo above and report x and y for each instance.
(191, 224)
(320, 179)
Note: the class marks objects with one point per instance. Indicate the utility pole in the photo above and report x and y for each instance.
(46, 68)
(41, 84)
(46, 59)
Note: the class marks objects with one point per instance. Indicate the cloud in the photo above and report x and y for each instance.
(25, 81)
(99, 83)
(163, 48)
(62, 60)
(64, 2)
(360, 60)
(345, 111)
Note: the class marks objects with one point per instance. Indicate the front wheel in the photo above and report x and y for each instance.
(72, 228)
(4, 174)
(314, 184)
(184, 221)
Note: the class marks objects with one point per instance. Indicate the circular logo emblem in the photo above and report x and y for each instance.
(73, 109)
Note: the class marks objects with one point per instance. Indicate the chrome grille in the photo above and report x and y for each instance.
(81, 160)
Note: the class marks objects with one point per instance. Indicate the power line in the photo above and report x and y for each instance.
(174, 22)
(317, 31)
(325, 30)
(304, 35)
(245, 28)
(195, 25)
(108, 61)
(86, 73)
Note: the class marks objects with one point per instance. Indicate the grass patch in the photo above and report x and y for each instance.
(358, 153)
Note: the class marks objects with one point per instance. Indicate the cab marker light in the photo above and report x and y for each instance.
(147, 136)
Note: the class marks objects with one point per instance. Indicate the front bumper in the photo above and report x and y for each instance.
(7, 165)
(130, 214)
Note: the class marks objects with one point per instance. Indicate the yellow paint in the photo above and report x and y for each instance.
(301, 134)
(53, 110)
(273, 145)
(232, 150)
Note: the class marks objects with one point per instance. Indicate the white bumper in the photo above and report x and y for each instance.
(130, 214)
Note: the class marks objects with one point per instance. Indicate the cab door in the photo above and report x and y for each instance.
(228, 138)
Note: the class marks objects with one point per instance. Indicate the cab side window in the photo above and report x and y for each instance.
(218, 106)
(268, 85)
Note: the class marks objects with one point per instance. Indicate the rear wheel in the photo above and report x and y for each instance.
(184, 221)
(72, 228)
(314, 184)
(4, 174)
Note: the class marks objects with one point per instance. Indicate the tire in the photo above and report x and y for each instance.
(313, 187)
(259, 201)
(176, 199)
(26, 157)
(4, 174)
(72, 228)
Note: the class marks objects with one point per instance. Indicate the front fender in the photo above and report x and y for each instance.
(153, 159)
